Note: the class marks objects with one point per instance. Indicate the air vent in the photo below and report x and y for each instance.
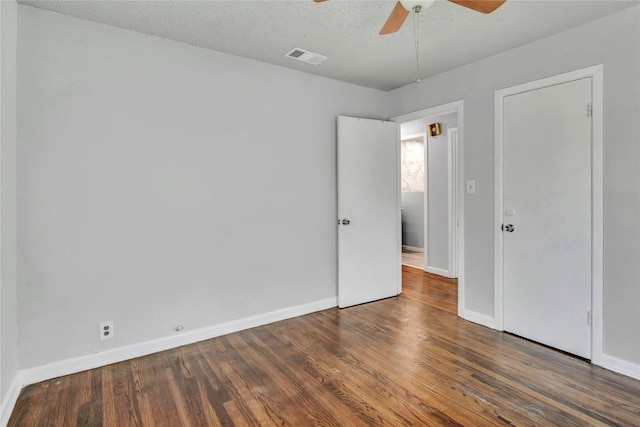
(306, 56)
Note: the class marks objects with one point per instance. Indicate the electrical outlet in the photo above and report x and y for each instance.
(106, 330)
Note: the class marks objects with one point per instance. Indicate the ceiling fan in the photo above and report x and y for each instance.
(402, 8)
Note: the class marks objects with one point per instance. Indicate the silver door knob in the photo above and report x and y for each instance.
(508, 227)
(346, 222)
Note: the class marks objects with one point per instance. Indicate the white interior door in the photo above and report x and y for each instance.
(547, 215)
(368, 211)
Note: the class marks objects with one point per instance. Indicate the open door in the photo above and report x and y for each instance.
(369, 255)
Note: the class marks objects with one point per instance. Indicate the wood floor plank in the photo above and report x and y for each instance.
(413, 259)
(165, 408)
(30, 405)
(189, 393)
(402, 382)
(58, 393)
(408, 360)
(88, 400)
(143, 377)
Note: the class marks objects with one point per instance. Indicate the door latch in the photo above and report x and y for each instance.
(508, 227)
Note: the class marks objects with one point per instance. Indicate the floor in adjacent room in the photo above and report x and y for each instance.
(413, 258)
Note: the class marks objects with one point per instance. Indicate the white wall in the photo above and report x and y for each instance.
(163, 184)
(613, 41)
(8, 237)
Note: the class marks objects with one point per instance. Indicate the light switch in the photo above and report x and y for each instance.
(471, 186)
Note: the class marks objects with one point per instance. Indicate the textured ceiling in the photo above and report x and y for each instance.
(345, 31)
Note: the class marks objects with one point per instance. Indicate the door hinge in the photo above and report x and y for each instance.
(589, 110)
(589, 318)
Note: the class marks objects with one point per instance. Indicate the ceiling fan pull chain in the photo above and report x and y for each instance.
(416, 33)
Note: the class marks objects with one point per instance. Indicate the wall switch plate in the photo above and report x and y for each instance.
(106, 330)
(471, 186)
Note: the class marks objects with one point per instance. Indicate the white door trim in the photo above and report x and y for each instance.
(597, 245)
(452, 107)
(452, 141)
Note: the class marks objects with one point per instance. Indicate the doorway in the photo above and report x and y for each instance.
(441, 226)
(548, 211)
(428, 195)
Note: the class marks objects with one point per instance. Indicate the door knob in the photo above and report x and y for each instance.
(508, 227)
(345, 222)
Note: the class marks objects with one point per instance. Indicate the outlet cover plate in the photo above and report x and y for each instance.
(106, 330)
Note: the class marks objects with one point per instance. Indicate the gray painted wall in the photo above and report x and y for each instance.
(412, 187)
(613, 41)
(129, 211)
(8, 212)
(438, 183)
(413, 218)
(135, 160)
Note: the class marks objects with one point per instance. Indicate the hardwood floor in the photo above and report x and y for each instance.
(407, 360)
(413, 259)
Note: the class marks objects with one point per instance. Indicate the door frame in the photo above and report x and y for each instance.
(452, 169)
(595, 73)
(452, 195)
(456, 163)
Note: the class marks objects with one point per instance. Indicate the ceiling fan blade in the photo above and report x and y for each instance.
(395, 20)
(484, 6)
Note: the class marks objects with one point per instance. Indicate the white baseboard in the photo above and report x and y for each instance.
(91, 361)
(481, 319)
(438, 271)
(78, 364)
(621, 366)
(412, 248)
(10, 399)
